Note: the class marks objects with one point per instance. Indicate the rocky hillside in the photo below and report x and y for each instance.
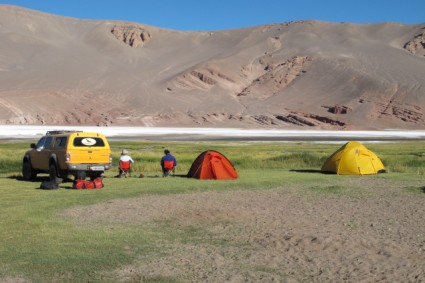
(304, 74)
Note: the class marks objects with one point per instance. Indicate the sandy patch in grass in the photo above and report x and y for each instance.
(278, 235)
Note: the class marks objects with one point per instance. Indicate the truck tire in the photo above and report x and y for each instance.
(95, 175)
(28, 173)
(80, 175)
(53, 174)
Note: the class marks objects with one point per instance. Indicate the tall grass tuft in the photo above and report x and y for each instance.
(10, 160)
(299, 160)
(400, 157)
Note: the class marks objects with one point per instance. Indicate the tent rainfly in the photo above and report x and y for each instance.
(353, 158)
(212, 165)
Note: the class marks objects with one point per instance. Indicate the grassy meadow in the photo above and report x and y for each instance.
(39, 244)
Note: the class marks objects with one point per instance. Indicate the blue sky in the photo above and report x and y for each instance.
(228, 14)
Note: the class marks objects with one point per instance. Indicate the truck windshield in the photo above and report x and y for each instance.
(44, 142)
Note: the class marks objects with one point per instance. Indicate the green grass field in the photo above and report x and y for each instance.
(40, 245)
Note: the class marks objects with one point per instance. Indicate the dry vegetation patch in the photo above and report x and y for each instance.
(288, 235)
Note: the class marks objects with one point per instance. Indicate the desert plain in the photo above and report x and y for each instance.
(303, 75)
(279, 235)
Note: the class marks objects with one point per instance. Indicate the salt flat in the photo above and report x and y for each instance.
(13, 132)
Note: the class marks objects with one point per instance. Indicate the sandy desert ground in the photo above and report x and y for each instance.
(279, 235)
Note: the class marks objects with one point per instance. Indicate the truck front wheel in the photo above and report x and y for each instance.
(28, 173)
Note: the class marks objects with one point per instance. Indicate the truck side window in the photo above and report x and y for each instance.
(40, 143)
(61, 142)
(48, 142)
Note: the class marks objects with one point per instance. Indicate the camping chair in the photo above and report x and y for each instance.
(125, 169)
(167, 167)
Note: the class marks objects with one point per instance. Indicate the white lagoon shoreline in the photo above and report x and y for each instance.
(18, 132)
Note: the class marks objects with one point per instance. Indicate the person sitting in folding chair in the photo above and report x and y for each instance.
(125, 164)
(168, 163)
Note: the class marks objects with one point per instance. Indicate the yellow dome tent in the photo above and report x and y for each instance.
(353, 158)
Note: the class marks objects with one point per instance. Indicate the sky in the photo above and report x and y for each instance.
(198, 15)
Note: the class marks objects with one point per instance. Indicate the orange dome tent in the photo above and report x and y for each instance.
(212, 165)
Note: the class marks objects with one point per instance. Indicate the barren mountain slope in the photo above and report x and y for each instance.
(58, 70)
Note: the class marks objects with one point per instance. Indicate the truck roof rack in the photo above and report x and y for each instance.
(58, 132)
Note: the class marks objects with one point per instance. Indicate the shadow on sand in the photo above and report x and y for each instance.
(309, 171)
(171, 176)
(142, 176)
(40, 179)
(37, 179)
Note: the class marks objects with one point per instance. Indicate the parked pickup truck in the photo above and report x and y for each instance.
(64, 153)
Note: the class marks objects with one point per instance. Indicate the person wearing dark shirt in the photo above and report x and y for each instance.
(168, 163)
